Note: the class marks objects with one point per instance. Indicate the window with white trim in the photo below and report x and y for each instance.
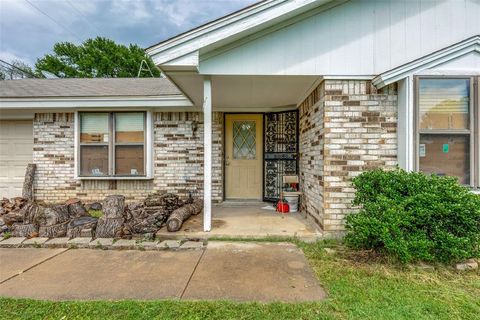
(112, 144)
(447, 127)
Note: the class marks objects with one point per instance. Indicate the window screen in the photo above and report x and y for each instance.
(444, 103)
(94, 127)
(100, 155)
(444, 127)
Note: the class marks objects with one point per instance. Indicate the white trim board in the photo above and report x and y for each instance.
(107, 102)
(149, 144)
(434, 59)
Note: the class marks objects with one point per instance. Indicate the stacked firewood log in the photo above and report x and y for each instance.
(29, 219)
(8, 205)
(13, 212)
(111, 223)
(180, 215)
(148, 217)
(165, 201)
(24, 218)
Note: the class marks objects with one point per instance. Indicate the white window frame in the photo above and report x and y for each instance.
(148, 145)
(474, 130)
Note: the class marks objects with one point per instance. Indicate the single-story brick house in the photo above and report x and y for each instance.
(322, 89)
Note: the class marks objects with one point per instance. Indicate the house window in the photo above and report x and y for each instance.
(112, 144)
(447, 132)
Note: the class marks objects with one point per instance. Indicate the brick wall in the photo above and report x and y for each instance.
(346, 127)
(311, 145)
(178, 159)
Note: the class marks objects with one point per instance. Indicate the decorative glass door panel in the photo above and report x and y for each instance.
(244, 140)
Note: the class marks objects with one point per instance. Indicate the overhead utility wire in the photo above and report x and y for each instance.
(20, 69)
(58, 23)
(80, 14)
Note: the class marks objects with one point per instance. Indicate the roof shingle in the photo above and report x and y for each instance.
(87, 87)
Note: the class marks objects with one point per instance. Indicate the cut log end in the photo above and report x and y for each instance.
(180, 215)
(174, 224)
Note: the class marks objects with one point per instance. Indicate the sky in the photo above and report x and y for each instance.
(30, 28)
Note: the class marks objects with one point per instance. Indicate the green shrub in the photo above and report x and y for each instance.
(412, 217)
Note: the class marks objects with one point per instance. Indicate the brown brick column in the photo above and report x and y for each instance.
(346, 127)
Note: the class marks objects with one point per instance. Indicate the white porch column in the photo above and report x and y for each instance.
(406, 124)
(207, 155)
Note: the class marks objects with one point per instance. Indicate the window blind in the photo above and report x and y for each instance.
(444, 103)
(94, 122)
(131, 121)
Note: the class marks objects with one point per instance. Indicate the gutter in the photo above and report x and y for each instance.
(89, 102)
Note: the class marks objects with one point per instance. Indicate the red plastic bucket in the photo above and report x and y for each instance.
(283, 207)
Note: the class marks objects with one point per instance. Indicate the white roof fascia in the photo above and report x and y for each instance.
(103, 102)
(190, 59)
(434, 59)
(217, 30)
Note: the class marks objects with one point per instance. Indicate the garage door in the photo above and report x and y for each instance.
(16, 151)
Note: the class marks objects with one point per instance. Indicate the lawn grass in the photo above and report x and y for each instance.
(95, 213)
(358, 288)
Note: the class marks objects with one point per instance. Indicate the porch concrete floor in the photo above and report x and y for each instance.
(246, 220)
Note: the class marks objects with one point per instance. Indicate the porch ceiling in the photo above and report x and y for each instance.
(246, 93)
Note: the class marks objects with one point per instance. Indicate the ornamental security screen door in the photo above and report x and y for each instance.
(280, 151)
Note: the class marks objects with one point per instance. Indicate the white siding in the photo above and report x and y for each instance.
(16, 151)
(468, 64)
(364, 37)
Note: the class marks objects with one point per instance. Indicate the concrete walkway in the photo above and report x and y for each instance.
(241, 271)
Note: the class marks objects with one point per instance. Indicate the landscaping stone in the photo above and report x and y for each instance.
(169, 244)
(424, 266)
(57, 243)
(192, 245)
(13, 242)
(149, 236)
(421, 266)
(86, 233)
(101, 243)
(330, 251)
(147, 245)
(468, 265)
(79, 242)
(124, 244)
(34, 242)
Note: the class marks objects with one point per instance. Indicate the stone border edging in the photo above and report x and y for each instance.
(101, 243)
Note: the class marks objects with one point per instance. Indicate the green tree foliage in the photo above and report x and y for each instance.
(412, 217)
(96, 58)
